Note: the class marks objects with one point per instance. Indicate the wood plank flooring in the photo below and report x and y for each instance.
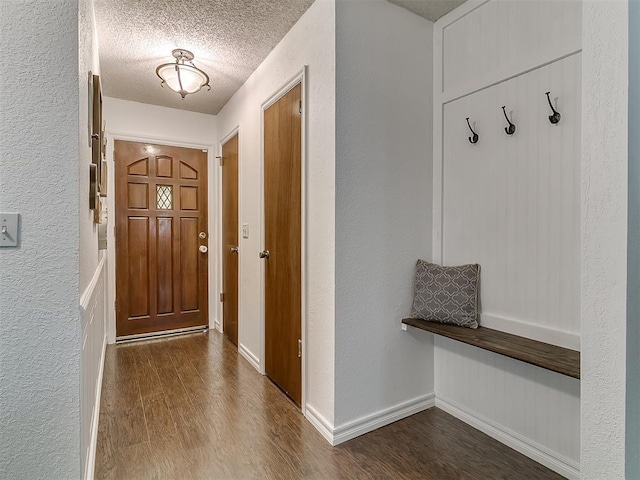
(190, 407)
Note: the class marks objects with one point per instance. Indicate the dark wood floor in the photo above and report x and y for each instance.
(191, 408)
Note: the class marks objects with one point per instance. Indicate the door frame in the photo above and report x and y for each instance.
(299, 77)
(220, 247)
(214, 231)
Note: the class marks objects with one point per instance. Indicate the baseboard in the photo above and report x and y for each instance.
(562, 465)
(379, 419)
(250, 357)
(91, 456)
(322, 424)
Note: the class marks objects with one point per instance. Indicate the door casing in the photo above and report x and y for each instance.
(299, 77)
(215, 310)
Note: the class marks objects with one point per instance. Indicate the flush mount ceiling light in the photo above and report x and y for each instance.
(182, 77)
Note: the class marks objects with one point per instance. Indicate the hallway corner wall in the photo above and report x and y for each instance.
(604, 206)
(91, 261)
(384, 78)
(39, 284)
(632, 416)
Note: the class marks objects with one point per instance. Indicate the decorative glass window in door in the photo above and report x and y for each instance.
(164, 197)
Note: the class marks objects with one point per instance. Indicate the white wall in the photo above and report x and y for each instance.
(39, 285)
(92, 274)
(87, 61)
(604, 239)
(310, 42)
(384, 74)
(511, 203)
(134, 121)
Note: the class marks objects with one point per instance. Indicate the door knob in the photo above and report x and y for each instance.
(264, 254)
(202, 235)
(203, 249)
(234, 249)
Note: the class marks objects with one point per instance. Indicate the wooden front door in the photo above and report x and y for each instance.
(283, 220)
(161, 219)
(230, 239)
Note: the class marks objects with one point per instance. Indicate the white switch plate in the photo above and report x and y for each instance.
(9, 229)
(245, 230)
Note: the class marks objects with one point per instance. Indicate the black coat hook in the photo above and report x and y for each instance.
(511, 129)
(555, 117)
(474, 139)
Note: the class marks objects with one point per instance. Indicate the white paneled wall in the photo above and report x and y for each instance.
(92, 315)
(505, 36)
(512, 203)
(533, 410)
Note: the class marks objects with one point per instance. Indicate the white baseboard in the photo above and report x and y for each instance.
(373, 421)
(322, 424)
(91, 455)
(250, 357)
(558, 463)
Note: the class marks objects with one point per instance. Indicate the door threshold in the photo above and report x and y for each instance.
(166, 333)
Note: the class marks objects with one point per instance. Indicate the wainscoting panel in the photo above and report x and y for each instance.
(531, 409)
(92, 315)
(505, 37)
(512, 203)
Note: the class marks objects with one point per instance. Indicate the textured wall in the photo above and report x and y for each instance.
(383, 204)
(633, 252)
(87, 61)
(312, 42)
(39, 322)
(604, 238)
(140, 121)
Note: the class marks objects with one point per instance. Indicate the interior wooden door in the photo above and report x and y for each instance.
(283, 237)
(230, 238)
(161, 238)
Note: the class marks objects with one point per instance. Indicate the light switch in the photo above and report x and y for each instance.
(245, 230)
(9, 229)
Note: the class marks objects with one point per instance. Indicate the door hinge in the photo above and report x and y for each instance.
(222, 297)
(220, 160)
(300, 107)
(299, 348)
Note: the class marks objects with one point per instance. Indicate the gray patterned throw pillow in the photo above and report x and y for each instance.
(446, 294)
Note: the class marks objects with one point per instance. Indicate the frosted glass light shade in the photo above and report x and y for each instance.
(181, 77)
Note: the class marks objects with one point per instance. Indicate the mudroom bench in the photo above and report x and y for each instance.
(551, 357)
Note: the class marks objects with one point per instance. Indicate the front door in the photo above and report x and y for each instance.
(230, 238)
(283, 220)
(161, 238)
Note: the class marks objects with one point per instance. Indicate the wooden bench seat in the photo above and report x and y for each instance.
(540, 354)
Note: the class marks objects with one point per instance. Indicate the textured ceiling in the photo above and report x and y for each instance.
(429, 9)
(229, 38)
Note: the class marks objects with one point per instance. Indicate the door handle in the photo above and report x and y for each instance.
(203, 249)
(234, 250)
(264, 254)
